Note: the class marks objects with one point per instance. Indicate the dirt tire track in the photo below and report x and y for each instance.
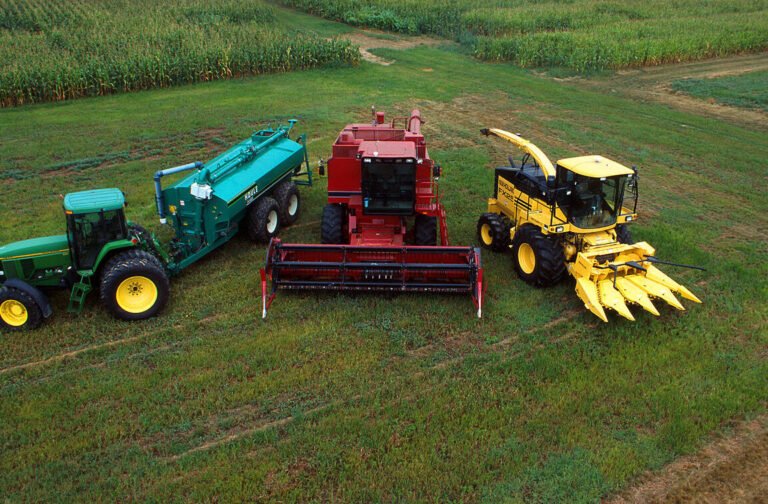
(368, 39)
(731, 469)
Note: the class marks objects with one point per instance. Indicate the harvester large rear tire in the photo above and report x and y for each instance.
(134, 285)
(263, 221)
(18, 310)
(493, 232)
(624, 235)
(425, 230)
(332, 227)
(539, 259)
(289, 201)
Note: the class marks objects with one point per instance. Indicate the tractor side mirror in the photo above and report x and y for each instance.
(437, 171)
(321, 167)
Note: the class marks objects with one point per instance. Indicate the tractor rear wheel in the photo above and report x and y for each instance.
(289, 201)
(425, 230)
(624, 235)
(263, 221)
(18, 310)
(134, 285)
(493, 232)
(539, 259)
(332, 227)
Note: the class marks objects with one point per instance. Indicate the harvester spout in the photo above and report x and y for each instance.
(197, 165)
(414, 122)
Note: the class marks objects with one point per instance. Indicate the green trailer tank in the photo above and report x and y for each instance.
(253, 186)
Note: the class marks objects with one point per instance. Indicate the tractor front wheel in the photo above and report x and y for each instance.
(18, 310)
(332, 226)
(134, 285)
(263, 220)
(539, 259)
(493, 232)
(425, 230)
(289, 201)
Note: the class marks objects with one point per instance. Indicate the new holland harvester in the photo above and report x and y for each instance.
(249, 186)
(571, 217)
(381, 224)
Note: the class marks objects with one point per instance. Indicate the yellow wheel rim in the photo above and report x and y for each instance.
(485, 234)
(136, 294)
(526, 258)
(14, 313)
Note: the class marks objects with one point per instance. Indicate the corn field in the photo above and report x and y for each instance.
(62, 49)
(583, 35)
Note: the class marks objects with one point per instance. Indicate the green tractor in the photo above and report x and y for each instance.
(252, 186)
(100, 246)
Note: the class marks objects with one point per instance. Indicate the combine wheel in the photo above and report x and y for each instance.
(624, 235)
(18, 311)
(493, 232)
(425, 230)
(134, 285)
(289, 201)
(539, 259)
(332, 227)
(263, 220)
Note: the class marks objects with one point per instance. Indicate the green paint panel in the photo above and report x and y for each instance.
(34, 246)
(94, 201)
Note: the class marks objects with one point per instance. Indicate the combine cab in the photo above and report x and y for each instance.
(381, 225)
(571, 217)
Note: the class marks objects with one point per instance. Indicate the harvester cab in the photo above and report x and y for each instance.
(571, 217)
(381, 226)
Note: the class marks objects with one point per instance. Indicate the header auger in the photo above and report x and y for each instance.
(571, 217)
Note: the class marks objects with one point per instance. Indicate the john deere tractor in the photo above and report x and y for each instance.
(131, 278)
(251, 186)
(571, 217)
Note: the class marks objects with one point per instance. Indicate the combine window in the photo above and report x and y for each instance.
(389, 186)
(590, 202)
(88, 233)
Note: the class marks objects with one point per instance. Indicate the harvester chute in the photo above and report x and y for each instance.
(381, 225)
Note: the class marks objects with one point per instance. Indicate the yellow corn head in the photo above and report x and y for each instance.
(571, 218)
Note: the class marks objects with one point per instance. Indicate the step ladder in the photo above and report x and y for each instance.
(79, 292)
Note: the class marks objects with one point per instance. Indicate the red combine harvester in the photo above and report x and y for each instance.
(380, 179)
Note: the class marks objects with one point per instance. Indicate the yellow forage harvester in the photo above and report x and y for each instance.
(571, 218)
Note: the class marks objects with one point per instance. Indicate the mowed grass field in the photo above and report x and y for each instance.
(382, 398)
(749, 90)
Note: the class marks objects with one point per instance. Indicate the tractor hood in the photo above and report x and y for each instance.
(34, 247)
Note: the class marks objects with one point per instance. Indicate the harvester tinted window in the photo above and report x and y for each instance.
(389, 187)
(88, 233)
(590, 202)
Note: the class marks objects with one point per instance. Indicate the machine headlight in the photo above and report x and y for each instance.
(629, 219)
(559, 229)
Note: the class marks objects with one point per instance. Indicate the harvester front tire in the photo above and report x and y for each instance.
(493, 232)
(263, 221)
(624, 235)
(332, 227)
(425, 230)
(134, 285)
(18, 310)
(539, 259)
(289, 201)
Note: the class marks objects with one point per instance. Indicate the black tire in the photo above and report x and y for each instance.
(289, 201)
(332, 227)
(493, 232)
(116, 283)
(263, 221)
(624, 235)
(425, 230)
(18, 310)
(546, 261)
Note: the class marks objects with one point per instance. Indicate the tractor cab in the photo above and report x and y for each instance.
(94, 219)
(590, 190)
